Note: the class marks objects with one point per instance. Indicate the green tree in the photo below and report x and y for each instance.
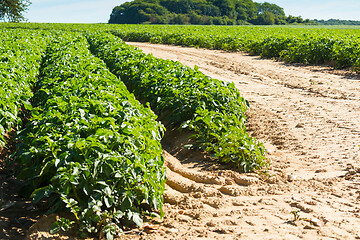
(266, 18)
(227, 7)
(219, 12)
(136, 12)
(272, 8)
(246, 10)
(12, 10)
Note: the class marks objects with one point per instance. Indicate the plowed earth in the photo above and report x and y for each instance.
(309, 120)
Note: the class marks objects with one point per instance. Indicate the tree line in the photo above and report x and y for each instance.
(202, 12)
(337, 22)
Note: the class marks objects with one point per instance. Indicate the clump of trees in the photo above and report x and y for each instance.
(337, 22)
(12, 10)
(204, 12)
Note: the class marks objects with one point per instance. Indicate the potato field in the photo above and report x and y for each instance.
(83, 114)
(337, 46)
(88, 145)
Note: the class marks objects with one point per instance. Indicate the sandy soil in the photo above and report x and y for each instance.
(307, 117)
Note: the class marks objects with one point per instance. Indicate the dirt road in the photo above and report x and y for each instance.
(309, 119)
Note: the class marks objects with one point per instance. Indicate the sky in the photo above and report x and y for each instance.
(321, 9)
(71, 11)
(98, 11)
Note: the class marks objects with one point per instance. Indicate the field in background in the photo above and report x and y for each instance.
(338, 46)
(89, 146)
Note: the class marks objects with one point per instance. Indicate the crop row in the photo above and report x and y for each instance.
(20, 58)
(337, 46)
(185, 97)
(90, 147)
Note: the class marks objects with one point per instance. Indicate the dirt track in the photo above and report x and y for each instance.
(309, 119)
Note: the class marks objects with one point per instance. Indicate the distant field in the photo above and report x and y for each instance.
(338, 46)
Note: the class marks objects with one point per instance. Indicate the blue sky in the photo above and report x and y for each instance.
(321, 9)
(71, 11)
(98, 11)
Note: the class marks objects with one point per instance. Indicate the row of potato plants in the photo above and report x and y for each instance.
(310, 45)
(185, 97)
(21, 52)
(338, 46)
(90, 147)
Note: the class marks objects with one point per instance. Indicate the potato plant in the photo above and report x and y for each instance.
(21, 52)
(338, 46)
(90, 147)
(185, 97)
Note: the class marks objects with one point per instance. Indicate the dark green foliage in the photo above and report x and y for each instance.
(337, 22)
(90, 146)
(201, 12)
(185, 97)
(136, 12)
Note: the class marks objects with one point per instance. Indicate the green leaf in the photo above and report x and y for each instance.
(27, 105)
(41, 193)
(137, 219)
(55, 228)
